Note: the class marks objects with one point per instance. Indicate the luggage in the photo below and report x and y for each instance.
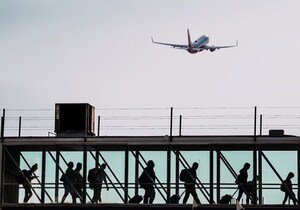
(226, 199)
(136, 199)
(174, 199)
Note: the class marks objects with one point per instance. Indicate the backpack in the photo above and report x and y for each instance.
(63, 178)
(183, 176)
(143, 180)
(283, 186)
(20, 177)
(92, 175)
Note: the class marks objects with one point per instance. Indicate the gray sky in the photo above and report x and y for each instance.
(100, 52)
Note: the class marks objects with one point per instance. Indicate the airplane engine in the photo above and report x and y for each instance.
(211, 50)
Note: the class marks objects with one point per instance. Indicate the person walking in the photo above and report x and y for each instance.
(242, 181)
(78, 184)
(27, 178)
(146, 181)
(287, 187)
(68, 180)
(190, 182)
(99, 178)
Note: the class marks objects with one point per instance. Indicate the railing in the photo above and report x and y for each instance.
(161, 121)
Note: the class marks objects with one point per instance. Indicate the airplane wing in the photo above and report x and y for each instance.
(177, 46)
(213, 48)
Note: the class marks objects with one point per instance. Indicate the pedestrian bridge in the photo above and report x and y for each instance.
(220, 158)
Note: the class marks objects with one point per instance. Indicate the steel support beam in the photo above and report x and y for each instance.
(168, 174)
(211, 175)
(136, 184)
(126, 175)
(218, 175)
(177, 172)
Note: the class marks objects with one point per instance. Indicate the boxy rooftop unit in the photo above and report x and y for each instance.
(74, 120)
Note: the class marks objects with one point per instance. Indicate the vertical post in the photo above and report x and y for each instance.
(168, 174)
(84, 172)
(2, 168)
(97, 157)
(255, 113)
(254, 196)
(177, 172)
(298, 167)
(2, 124)
(98, 133)
(211, 175)
(260, 124)
(260, 172)
(218, 175)
(56, 177)
(126, 175)
(136, 186)
(171, 124)
(43, 175)
(180, 124)
(20, 125)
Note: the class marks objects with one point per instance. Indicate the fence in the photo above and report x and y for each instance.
(161, 121)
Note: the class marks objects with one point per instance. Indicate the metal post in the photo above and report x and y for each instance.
(2, 124)
(218, 176)
(260, 124)
(43, 175)
(254, 196)
(298, 167)
(97, 157)
(56, 177)
(126, 175)
(168, 174)
(2, 168)
(20, 125)
(171, 124)
(84, 172)
(180, 124)
(177, 171)
(136, 186)
(211, 175)
(98, 133)
(260, 172)
(255, 113)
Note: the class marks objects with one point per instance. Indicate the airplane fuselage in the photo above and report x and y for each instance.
(196, 45)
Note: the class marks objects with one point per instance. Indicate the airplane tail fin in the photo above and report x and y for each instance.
(189, 39)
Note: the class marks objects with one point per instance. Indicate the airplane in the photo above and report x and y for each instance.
(197, 46)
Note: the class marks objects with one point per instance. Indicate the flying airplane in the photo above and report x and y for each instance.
(197, 46)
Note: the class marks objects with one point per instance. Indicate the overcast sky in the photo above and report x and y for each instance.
(100, 52)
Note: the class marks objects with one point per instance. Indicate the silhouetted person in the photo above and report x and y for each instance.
(100, 177)
(288, 189)
(78, 183)
(68, 180)
(190, 182)
(28, 177)
(147, 180)
(250, 188)
(242, 180)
